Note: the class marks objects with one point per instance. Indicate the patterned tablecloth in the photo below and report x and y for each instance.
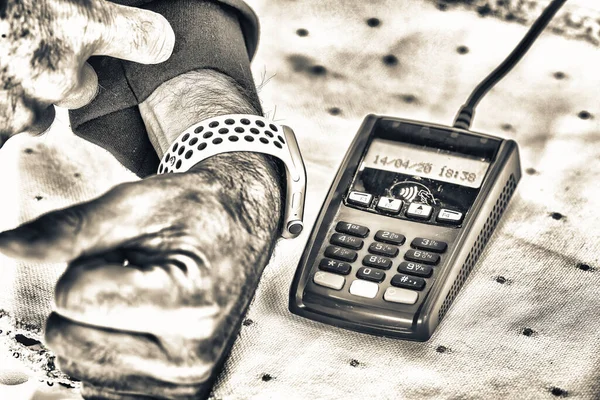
(526, 324)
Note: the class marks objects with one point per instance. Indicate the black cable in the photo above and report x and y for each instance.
(465, 114)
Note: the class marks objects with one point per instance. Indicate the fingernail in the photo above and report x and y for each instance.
(168, 40)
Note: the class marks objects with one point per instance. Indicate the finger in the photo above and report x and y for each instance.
(19, 112)
(136, 35)
(43, 120)
(147, 300)
(39, 122)
(91, 392)
(84, 92)
(123, 361)
(91, 227)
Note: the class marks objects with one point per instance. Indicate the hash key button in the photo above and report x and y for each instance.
(370, 274)
(428, 244)
(408, 282)
(390, 237)
(340, 253)
(415, 269)
(348, 241)
(421, 256)
(337, 267)
(377, 262)
(352, 229)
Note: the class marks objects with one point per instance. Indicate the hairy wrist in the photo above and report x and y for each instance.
(250, 183)
(188, 99)
(250, 192)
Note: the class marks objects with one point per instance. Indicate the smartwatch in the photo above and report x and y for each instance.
(243, 132)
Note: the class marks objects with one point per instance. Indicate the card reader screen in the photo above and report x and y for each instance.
(426, 162)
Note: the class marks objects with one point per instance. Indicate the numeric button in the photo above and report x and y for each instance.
(429, 244)
(370, 274)
(377, 262)
(352, 229)
(421, 256)
(351, 242)
(390, 237)
(340, 253)
(416, 269)
(408, 282)
(337, 267)
(383, 249)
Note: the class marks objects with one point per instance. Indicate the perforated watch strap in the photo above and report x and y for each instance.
(241, 132)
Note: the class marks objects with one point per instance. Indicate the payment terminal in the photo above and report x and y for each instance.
(407, 216)
(409, 212)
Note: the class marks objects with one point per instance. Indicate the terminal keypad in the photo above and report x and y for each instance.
(367, 277)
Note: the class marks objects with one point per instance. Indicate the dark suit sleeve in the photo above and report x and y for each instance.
(220, 35)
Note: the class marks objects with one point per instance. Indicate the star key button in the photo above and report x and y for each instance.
(337, 267)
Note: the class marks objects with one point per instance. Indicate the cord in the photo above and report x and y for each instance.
(465, 115)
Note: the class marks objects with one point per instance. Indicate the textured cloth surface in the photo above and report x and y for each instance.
(525, 325)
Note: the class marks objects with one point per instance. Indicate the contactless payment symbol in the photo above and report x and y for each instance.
(412, 191)
(409, 193)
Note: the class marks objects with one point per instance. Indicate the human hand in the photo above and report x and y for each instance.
(195, 245)
(44, 46)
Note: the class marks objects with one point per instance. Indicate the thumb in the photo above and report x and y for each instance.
(135, 34)
(84, 92)
(81, 230)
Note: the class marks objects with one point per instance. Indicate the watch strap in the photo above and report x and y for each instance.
(242, 132)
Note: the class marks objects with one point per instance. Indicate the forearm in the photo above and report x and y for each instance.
(250, 183)
(247, 186)
(226, 211)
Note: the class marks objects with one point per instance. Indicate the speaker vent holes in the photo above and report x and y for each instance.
(479, 245)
